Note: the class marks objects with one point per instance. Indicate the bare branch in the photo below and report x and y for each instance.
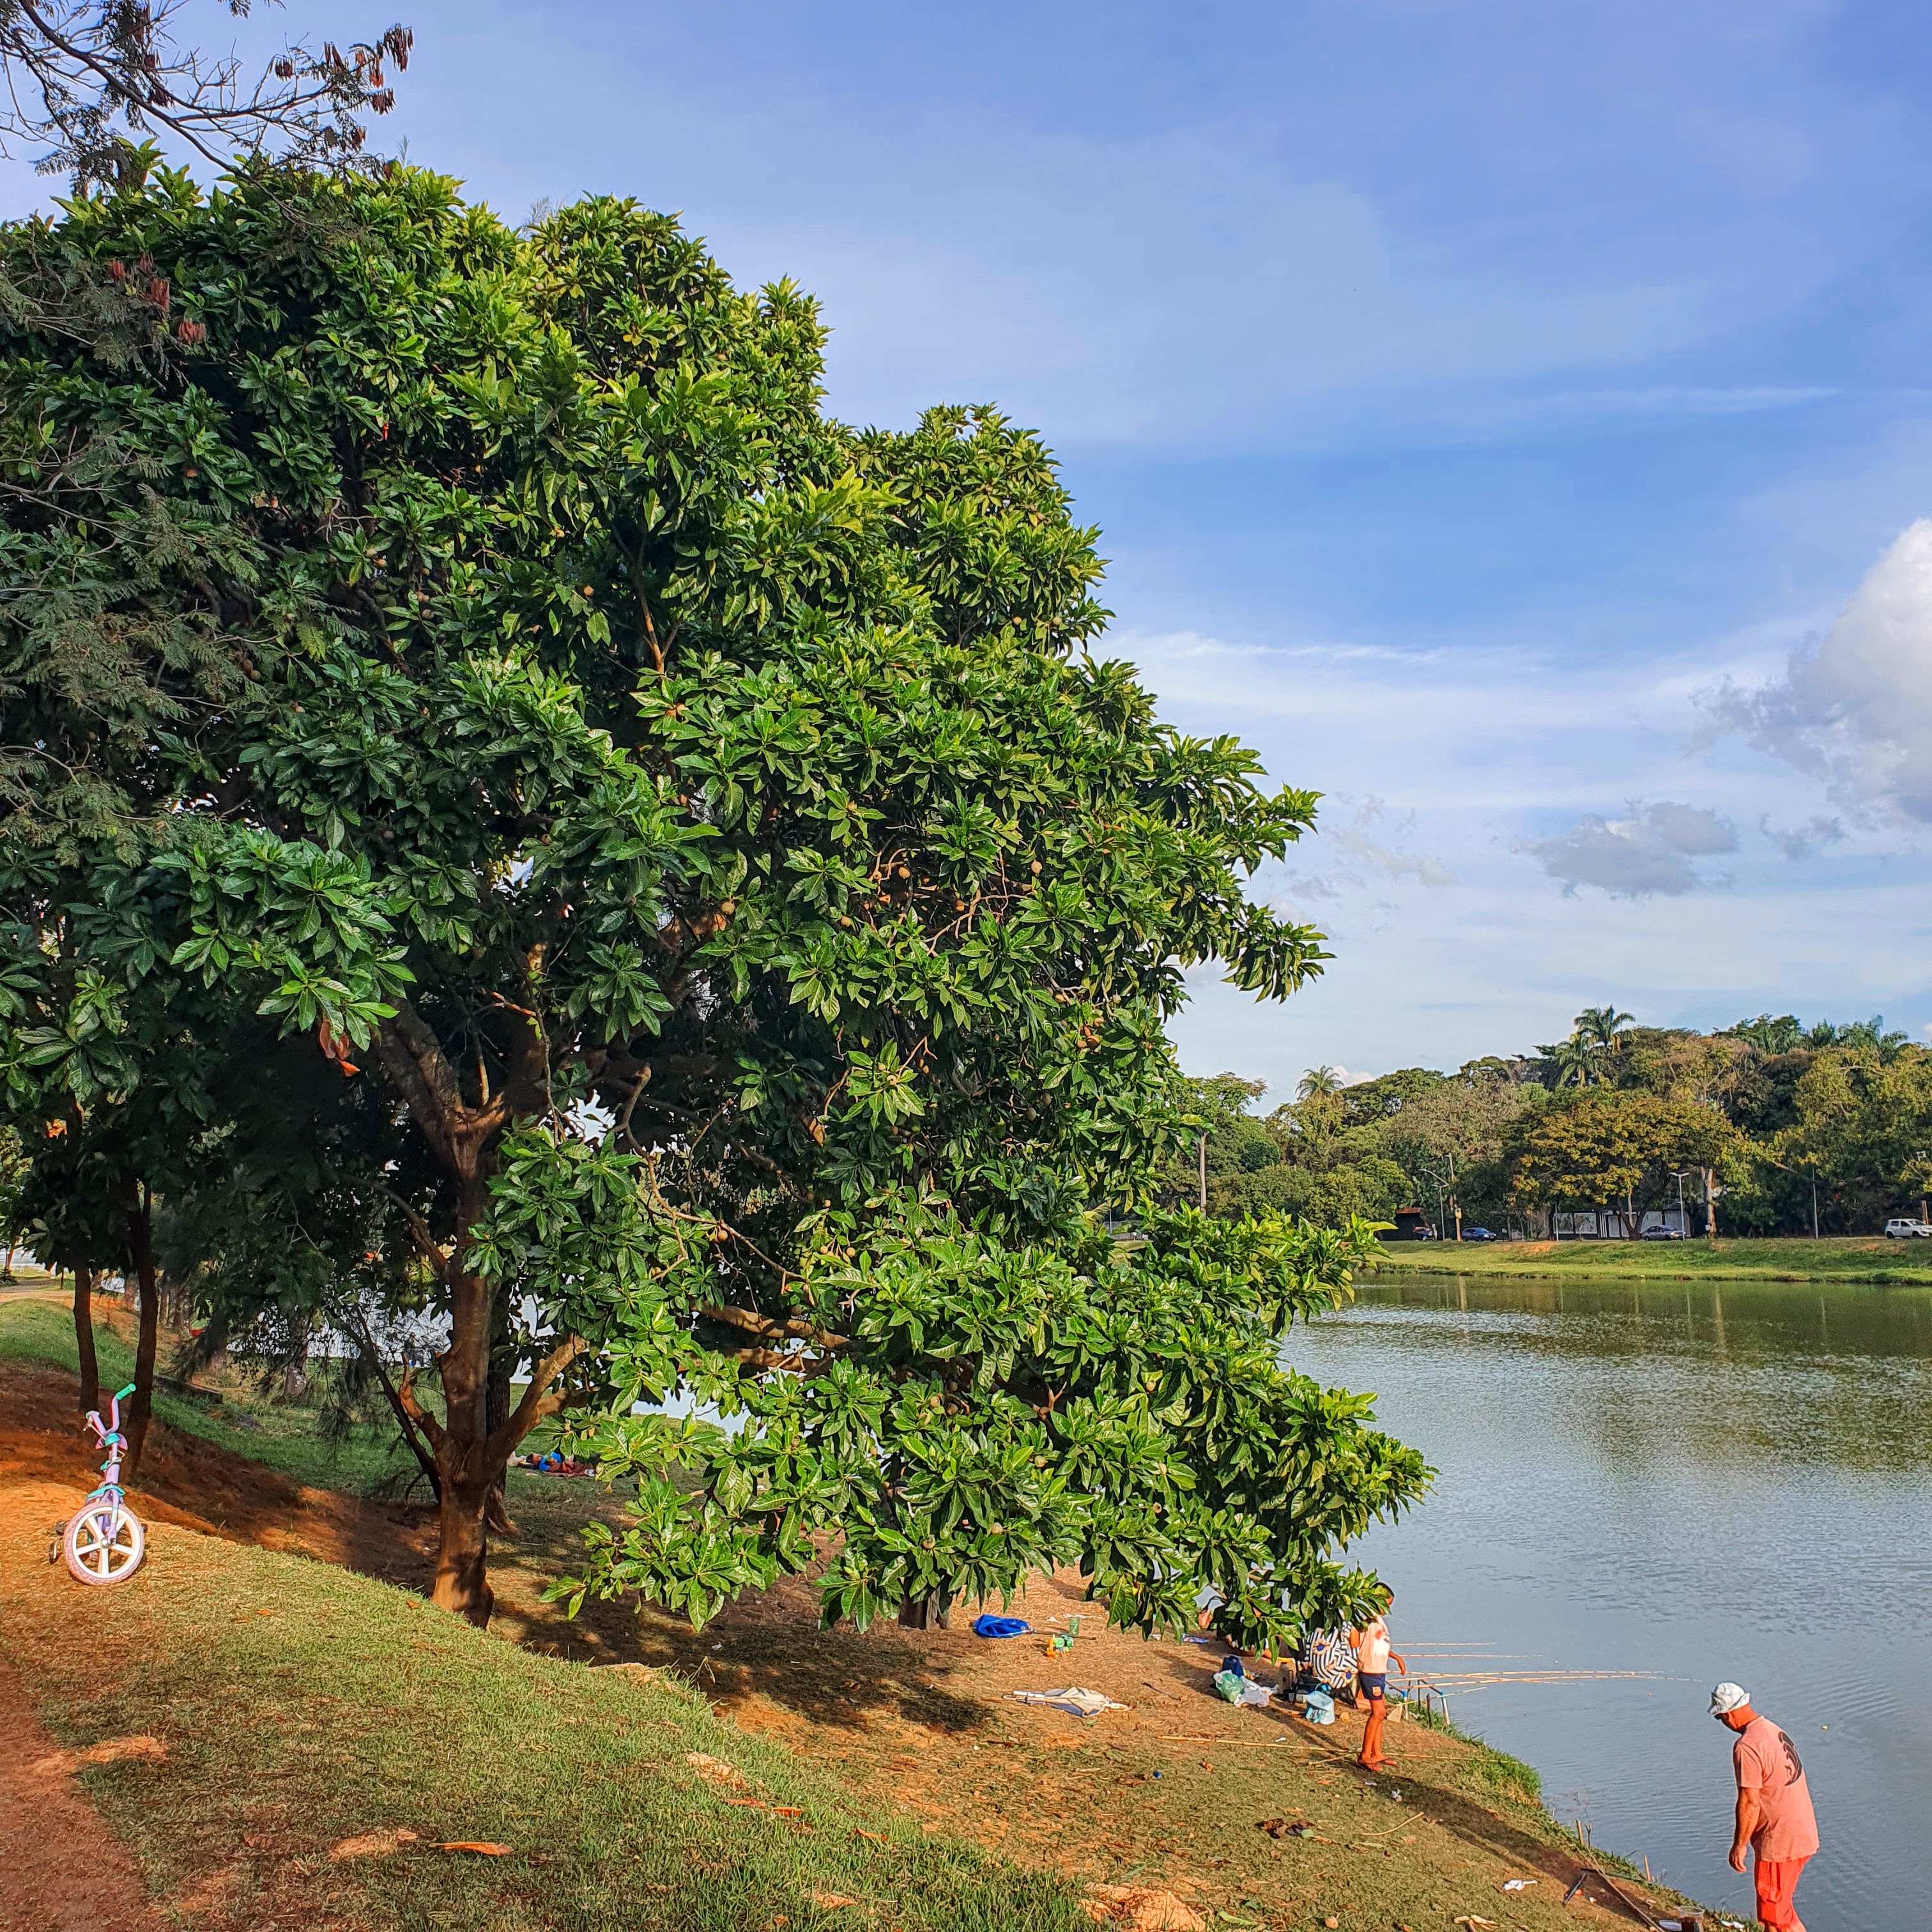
(406, 1394)
(87, 79)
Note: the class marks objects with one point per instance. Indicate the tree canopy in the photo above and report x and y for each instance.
(698, 834)
(1826, 1127)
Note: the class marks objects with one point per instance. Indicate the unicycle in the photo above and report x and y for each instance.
(105, 1542)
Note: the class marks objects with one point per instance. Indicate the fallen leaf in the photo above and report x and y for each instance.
(714, 1770)
(1144, 1908)
(830, 1901)
(110, 1750)
(1480, 1925)
(859, 1831)
(372, 1845)
(788, 1811)
(479, 1845)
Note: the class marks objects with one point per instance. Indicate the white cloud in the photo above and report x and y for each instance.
(1650, 852)
(1800, 842)
(1354, 839)
(1854, 709)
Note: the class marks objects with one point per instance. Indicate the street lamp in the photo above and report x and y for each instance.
(1683, 1217)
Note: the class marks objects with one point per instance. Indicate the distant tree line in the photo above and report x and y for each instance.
(1768, 1127)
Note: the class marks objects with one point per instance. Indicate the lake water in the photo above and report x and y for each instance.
(1709, 1480)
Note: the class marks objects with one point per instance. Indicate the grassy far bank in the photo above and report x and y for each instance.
(300, 1706)
(1863, 1258)
(285, 1436)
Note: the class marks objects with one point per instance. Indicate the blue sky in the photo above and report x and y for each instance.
(1513, 420)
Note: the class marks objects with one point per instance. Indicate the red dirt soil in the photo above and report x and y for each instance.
(196, 1485)
(63, 1871)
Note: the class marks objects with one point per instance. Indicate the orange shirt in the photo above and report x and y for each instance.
(1765, 1762)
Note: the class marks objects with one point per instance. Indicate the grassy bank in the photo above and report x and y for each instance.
(886, 1782)
(301, 1707)
(283, 1436)
(1862, 1258)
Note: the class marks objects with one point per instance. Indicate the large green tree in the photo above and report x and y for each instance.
(475, 654)
(1603, 1149)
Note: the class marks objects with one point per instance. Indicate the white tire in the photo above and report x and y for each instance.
(104, 1543)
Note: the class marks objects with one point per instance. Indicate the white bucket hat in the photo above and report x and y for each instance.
(1727, 1698)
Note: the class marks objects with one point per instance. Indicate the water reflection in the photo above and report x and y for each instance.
(1710, 1480)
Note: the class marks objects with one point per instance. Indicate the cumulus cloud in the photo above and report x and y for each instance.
(1855, 708)
(1803, 842)
(1649, 852)
(1380, 856)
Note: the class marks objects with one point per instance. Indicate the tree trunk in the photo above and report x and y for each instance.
(470, 1455)
(462, 1581)
(295, 1370)
(140, 1234)
(83, 1339)
(496, 1413)
(933, 1612)
(463, 1555)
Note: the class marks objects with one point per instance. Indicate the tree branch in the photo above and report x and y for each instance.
(427, 1245)
(406, 1394)
(540, 1400)
(766, 1328)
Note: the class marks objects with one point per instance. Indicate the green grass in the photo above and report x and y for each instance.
(1487, 1769)
(302, 1706)
(1869, 1258)
(284, 1436)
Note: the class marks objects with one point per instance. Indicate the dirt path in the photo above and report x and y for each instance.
(64, 1872)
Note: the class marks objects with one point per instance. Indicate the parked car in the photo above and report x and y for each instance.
(1426, 1233)
(1661, 1234)
(1906, 1230)
(1478, 1234)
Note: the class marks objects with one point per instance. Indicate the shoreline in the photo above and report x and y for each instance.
(1859, 1260)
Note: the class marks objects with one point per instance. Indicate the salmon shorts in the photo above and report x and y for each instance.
(1777, 1880)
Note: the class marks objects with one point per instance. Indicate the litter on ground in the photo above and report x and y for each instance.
(1080, 1702)
(993, 1626)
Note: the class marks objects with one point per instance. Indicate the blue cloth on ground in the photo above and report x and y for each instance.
(992, 1626)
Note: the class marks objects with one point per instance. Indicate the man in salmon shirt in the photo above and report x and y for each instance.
(1774, 1816)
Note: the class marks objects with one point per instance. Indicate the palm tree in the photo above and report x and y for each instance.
(1317, 1080)
(1769, 1035)
(1599, 1026)
(1574, 1061)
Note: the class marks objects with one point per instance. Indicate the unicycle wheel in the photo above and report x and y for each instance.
(104, 1544)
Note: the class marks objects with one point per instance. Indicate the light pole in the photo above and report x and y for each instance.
(1683, 1217)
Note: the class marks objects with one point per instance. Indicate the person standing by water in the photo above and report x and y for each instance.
(1774, 1818)
(1372, 1652)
